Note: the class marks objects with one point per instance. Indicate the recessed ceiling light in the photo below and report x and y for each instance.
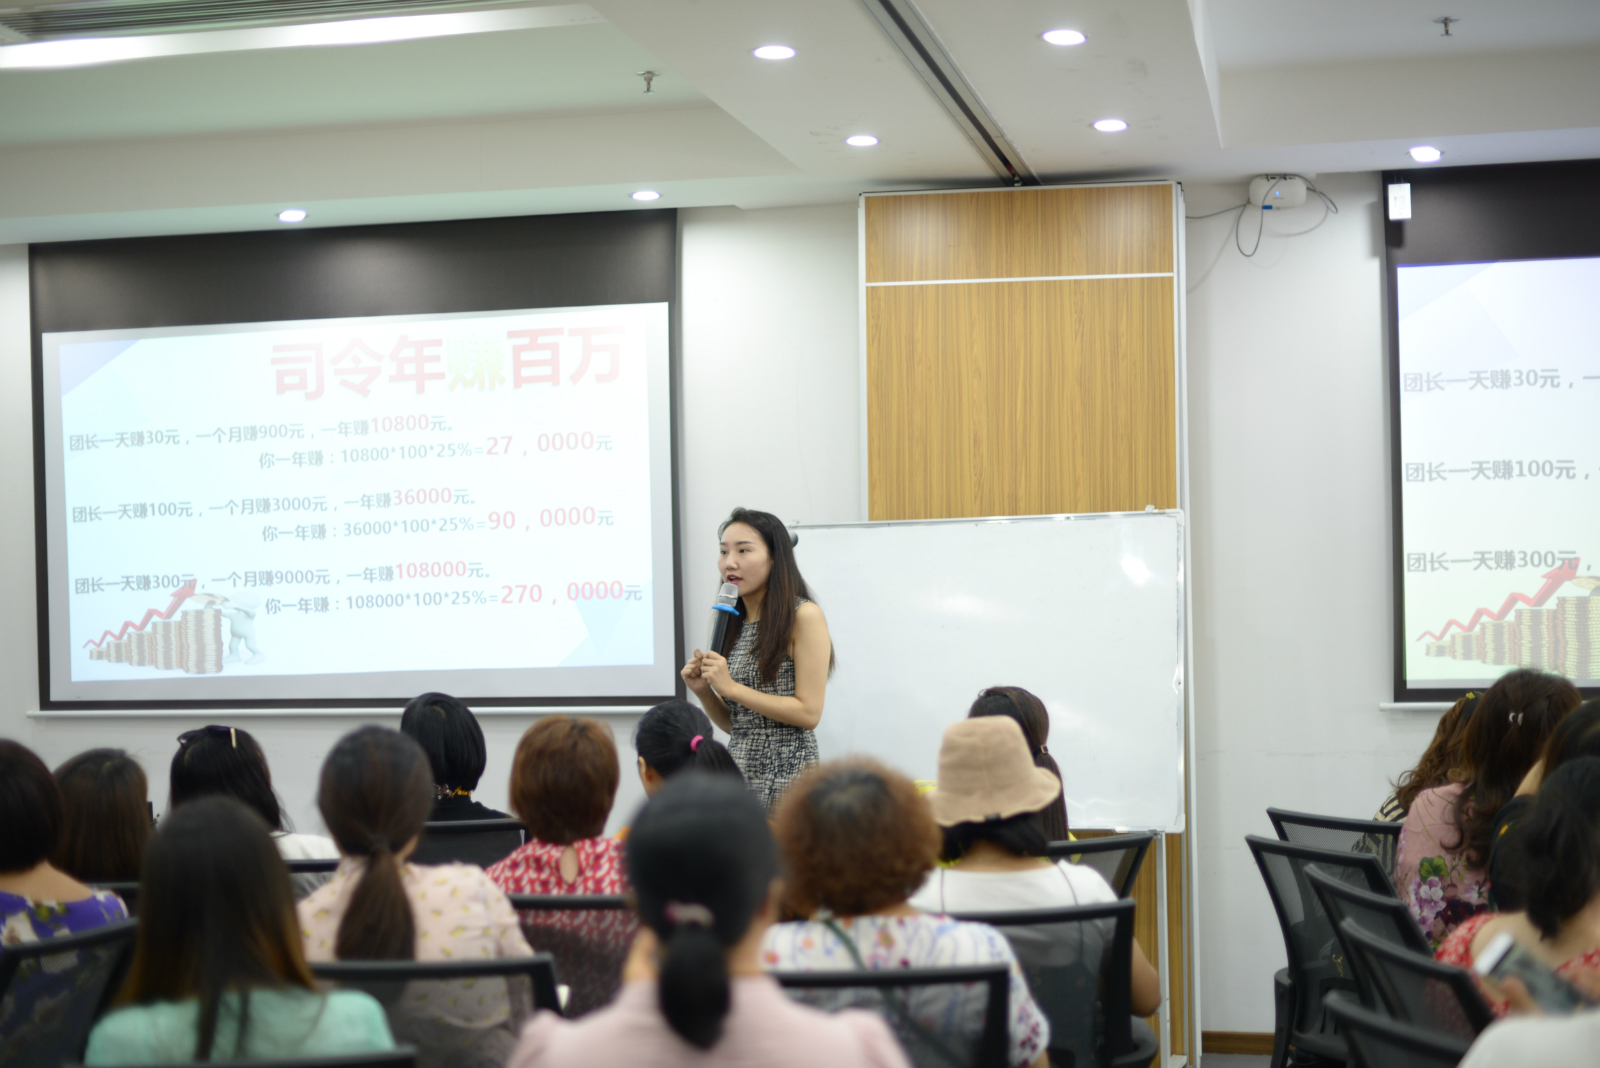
(774, 52)
(1064, 37)
(647, 194)
(1110, 125)
(292, 215)
(1426, 154)
(861, 140)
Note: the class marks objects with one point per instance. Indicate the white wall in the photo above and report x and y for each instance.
(768, 356)
(1289, 494)
(1289, 491)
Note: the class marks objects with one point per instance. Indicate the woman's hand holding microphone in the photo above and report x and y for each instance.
(707, 672)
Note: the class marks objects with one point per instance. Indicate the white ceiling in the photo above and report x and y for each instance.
(555, 119)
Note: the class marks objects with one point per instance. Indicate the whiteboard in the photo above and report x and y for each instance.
(1087, 611)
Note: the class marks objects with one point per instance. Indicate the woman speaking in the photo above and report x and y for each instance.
(767, 692)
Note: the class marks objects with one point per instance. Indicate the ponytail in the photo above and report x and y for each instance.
(375, 796)
(694, 984)
(1558, 846)
(675, 735)
(702, 862)
(377, 923)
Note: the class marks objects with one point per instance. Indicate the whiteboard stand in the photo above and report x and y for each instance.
(1164, 1011)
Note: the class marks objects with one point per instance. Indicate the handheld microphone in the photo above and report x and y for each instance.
(722, 613)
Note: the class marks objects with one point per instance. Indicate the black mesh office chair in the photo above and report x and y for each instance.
(459, 1013)
(1377, 837)
(588, 936)
(480, 842)
(1379, 1042)
(944, 1017)
(1317, 964)
(399, 1057)
(1438, 998)
(51, 992)
(1386, 917)
(1078, 961)
(1117, 857)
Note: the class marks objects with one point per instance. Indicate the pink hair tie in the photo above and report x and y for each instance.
(694, 743)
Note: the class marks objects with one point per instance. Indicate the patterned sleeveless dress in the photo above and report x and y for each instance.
(769, 754)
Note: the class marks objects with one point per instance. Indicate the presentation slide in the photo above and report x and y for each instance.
(362, 508)
(1500, 470)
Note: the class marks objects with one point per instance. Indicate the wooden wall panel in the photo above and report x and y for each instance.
(1026, 233)
(1029, 397)
(1020, 398)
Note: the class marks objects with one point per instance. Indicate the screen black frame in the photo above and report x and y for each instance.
(1521, 211)
(472, 265)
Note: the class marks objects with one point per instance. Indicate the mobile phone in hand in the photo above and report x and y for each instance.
(1502, 958)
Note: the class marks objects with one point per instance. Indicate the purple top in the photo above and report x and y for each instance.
(26, 920)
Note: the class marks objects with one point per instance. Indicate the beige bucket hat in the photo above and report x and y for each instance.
(986, 772)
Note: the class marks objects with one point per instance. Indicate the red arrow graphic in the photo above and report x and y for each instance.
(1553, 581)
(184, 593)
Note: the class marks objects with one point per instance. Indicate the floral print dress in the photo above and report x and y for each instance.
(1434, 880)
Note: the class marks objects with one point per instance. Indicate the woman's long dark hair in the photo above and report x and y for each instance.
(666, 741)
(1031, 716)
(785, 585)
(216, 917)
(1441, 761)
(375, 795)
(224, 760)
(1559, 846)
(108, 816)
(1507, 733)
(449, 733)
(702, 860)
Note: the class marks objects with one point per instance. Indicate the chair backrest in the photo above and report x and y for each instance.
(1317, 962)
(480, 842)
(1078, 961)
(1117, 857)
(944, 1017)
(589, 937)
(1378, 837)
(399, 1057)
(128, 892)
(312, 867)
(1386, 917)
(52, 990)
(458, 1013)
(1426, 993)
(1377, 1041)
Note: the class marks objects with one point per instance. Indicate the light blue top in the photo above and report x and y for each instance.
(283, 1024)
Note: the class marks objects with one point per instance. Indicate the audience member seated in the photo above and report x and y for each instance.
(1559, 858)
(449, 733)
(999, 864)
(563, 780)
(37, 900)
(1440, 763)
(1030, 714)
(218, 972)
(375, 795)
(857, 841)
(228, 761)
(107, 817)
(1577, 735)
(1532, 1040)
(705, 871)
(1441, 869)
(675, 736)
